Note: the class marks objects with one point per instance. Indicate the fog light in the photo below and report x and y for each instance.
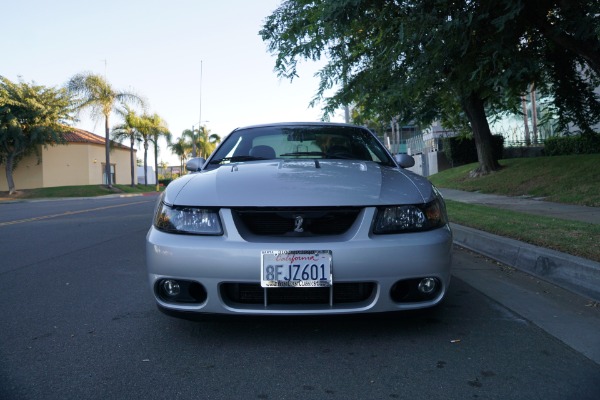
(171, 288)
(427, 285)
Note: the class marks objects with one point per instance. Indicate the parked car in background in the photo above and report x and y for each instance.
(299, 219)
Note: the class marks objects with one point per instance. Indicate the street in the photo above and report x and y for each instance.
(79, 322)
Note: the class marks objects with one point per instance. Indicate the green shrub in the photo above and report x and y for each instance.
(460, 150)
(571, 145)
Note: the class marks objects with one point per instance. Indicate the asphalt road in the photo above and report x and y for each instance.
(78, 322)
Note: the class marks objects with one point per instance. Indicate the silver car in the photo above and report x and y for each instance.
(299, 219)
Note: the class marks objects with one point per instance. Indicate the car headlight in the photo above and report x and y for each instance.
(411, 218)
(191, 220)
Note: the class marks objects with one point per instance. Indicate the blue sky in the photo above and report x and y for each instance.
(156, 48)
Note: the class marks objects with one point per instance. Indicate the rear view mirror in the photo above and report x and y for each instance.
(195, 164)
(303, 135)
(404, 160)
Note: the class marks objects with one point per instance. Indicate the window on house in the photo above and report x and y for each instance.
(112, 174)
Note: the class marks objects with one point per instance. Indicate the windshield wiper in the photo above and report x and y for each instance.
(236, 158)
(342, 156)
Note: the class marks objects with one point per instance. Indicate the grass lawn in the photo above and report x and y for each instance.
(564, 179)
(572, 237)
(77, 191)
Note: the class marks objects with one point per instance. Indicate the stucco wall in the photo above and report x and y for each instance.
(82, 164)
(120, 157)
(27, 175)
(96, 158)
(68, 165)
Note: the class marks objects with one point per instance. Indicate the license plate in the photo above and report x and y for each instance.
(295, 268)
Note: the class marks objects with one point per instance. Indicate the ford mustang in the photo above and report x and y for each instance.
(299, 219)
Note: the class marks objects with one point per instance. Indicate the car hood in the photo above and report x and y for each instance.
(294, 183)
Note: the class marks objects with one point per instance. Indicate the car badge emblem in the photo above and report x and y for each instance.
(298, 224)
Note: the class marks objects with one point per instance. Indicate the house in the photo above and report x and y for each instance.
(80, 161)
(423, 144)
(141, 180)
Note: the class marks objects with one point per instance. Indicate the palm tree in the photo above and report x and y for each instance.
(101, 98)
(190, 134)
(182, 149)
(145, 132)
(158, 128)
(206, 142)
(151, 128)
(164, 167)
(203, 142)
(128, 130)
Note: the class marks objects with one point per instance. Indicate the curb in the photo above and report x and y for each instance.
(106, 196)
(145, 194)
(576, 274)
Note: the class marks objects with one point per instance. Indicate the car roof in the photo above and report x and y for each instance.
(291, 124)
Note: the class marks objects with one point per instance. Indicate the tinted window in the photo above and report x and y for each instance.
(300, 142)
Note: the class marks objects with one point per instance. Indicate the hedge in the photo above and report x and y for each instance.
(568, 145)
(460, 151)
(164, 182)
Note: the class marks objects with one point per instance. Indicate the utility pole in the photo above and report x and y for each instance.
(393, 124)
(194, 152)
(193, 142)
(534, 114)
(105, 67)
(525, 120)
(200, 113)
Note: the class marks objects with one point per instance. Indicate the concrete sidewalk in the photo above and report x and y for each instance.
(527, 205)
(577, 274)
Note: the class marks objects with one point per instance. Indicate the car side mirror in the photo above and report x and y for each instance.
(195, 164)
(404, 160)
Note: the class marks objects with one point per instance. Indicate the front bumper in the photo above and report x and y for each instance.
(369, 267)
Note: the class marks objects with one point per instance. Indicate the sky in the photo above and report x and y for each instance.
(192, 60)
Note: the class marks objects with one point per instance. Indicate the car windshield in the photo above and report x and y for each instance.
(287, 142)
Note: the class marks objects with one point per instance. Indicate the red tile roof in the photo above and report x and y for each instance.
(75, 135)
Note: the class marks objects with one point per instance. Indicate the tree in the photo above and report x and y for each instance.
(30, 116)
(151, 128)
(96, 94)
(128, 130)
(182, 149)
(145, 132)
(403, 59)
(158, 129)
(417, 60)
(201, 140)
(163, 165)
(565, 36)
(571, 25)
(189, 135)
(206, 141)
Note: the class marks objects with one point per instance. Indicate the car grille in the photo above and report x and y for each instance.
(298, 222)
(250, 293)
